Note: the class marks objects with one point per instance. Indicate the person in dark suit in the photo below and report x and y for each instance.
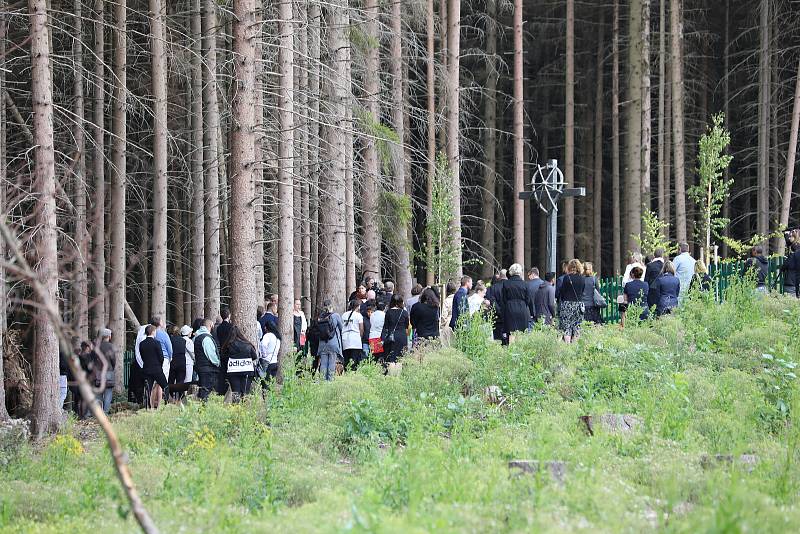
(493, 295)
(654, 267)
(460, 303)
(534, 283)
(517, 303)
(665, 290)
(545, 300)
(152, 360)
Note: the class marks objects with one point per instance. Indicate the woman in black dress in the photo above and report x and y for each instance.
(569, 294)
(425, 316)
(516, 299)
(395, 329)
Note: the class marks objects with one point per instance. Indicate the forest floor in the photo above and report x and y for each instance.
(707, 443)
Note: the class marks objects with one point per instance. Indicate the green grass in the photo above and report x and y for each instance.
(426, 452)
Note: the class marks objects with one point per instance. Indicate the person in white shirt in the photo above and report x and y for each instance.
(478, 297)
(268, 349)
(186, 334)
(376, 319)
(684, 269)
(635, 261)
(352, 348)
(300, 325)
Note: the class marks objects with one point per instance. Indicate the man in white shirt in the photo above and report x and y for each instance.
(684, 269)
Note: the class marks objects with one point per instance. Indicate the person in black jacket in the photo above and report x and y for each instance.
(759, 265)
(654, 267)
(517, 303)
(791, 270)
(425, 316)
(241, 356)
(493, 295)
(152, 360)
(395, 330)
(570, 301)
(545, 300)
(177, 365)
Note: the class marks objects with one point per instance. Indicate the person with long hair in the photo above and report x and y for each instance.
(665, 290)
(241, 356)
(268, 349)
(701, 281)
(353, 349)
(424, 315)
(570, 301)
(395, 329)
(590, 284)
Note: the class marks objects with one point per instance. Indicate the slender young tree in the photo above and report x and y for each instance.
(211, 160)
(519, 130)
(242, 154)
(258, 172)
(117, 193)
(81, 285)
(569, 133)
(98, 170)
(647, 129)
(490, 139)
(398, 117)
(158, 66)
(791, 155)
(430, 76)
(676, 59)
(662, 82)
(452, 85)
(46, 413)
(286, 155)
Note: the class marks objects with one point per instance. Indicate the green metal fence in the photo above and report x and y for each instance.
(126, 368)
(722, 274)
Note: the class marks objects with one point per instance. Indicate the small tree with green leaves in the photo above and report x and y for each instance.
(712, 187)
(441, 258)
(653, 234)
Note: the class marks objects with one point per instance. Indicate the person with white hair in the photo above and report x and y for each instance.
(517, 303)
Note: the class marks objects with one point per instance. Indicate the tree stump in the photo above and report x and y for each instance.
(611, 423)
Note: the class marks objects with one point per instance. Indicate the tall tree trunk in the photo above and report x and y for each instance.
(647, 129)
(332, 202)
(453, 114)
(398, 117)
(258, 171)
(662, 82)
(726, 103)
(634, 109)
(519, 130)
(158, 65)
(242, 150)
(198, 205)
(676, 57)
(490, 140)
(668, 148)
(791, 155)
(46, 413)
(285, 180)
(211, 161)
(81, 285)
(98, 169)
(569, 134)
(315, 142)
(430, 76)
(349, 204)
(616, 222)
(304, 290)
(3, 177)
(177, 261)
(597, 193)
(764, 93)
(119, 147)
(372, 236)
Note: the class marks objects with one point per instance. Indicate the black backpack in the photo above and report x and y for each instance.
(325, 326)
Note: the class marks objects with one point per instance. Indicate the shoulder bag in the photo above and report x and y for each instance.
(390, 337)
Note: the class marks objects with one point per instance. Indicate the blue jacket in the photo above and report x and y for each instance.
(664, 293)
(460, 306)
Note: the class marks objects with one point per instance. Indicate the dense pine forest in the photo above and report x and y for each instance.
(169, 158)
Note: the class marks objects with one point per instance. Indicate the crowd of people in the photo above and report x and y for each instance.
(380, 325)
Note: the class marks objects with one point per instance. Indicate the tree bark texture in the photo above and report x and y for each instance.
(211, 161)
(676, 58)
(197, 216)
(633, 154)
(791, 155)
(80, 286)
(98, 170)
(519, 130)
(569, 134)
(453, 114)
(597, 192)
(372, 236)
(490, 141)
(616, 222)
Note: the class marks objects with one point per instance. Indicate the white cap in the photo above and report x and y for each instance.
(186, 330)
